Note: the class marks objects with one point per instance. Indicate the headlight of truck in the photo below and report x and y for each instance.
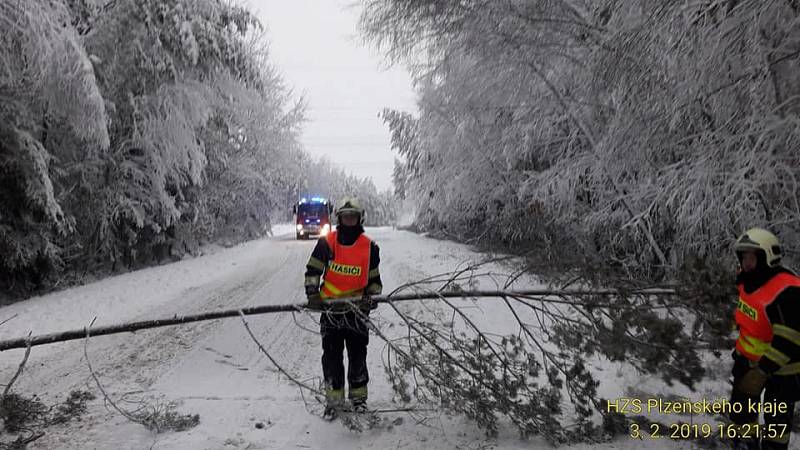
(299, 227)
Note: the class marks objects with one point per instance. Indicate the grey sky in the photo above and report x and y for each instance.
(314, 44)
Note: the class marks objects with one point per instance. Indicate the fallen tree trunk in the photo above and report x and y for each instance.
(267, 309)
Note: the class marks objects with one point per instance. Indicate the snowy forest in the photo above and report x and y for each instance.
(633, 139)
(611, 151)
(133, 132)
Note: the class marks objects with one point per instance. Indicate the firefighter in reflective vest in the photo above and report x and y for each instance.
(345, 263)
(767, 355)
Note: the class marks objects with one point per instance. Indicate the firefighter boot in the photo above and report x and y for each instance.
(334, 400)
(358, 398)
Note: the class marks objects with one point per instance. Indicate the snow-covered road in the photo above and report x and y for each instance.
(214, 369)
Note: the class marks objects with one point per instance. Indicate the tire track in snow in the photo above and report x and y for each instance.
(131, 362)
(181, 341)
(278, 333)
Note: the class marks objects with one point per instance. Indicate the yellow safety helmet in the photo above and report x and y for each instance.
(350, 205)
(763, 240)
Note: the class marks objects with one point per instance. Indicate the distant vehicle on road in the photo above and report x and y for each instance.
(313, 217)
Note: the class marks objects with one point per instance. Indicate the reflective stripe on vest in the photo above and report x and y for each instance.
(789, 369)
(347, 272)
(755, 330)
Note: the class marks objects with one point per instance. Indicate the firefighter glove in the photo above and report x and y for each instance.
(752, 382)
(368, 302)
(314, 300)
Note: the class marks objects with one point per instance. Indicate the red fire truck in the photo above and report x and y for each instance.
(313, 217)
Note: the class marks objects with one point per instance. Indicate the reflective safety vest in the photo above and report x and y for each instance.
(348, 270)
(755, 329)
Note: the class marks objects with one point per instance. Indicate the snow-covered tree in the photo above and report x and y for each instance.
(134, 130)
(625, 143)
(652, 133)
(47, 89)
